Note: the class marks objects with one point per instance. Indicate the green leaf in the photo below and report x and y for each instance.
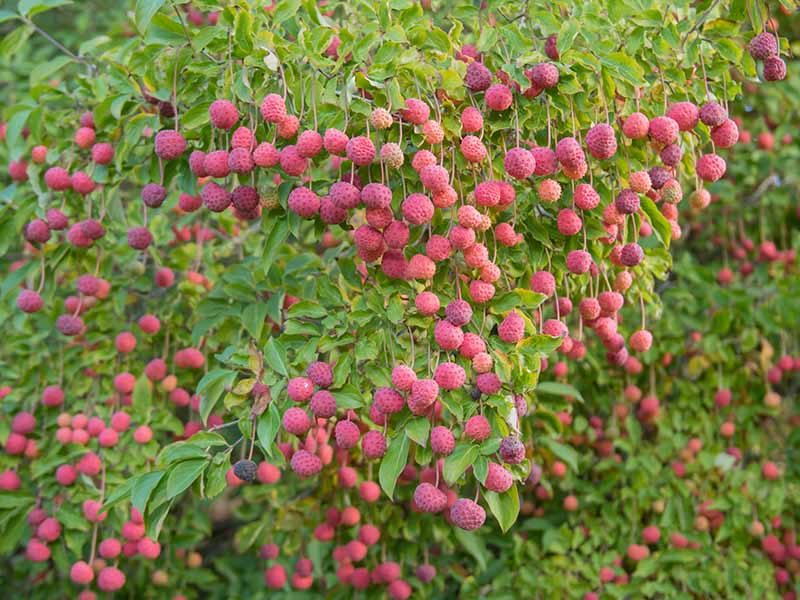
(183, 475)
(145, 9)
(462, 457)
(29, 8)
(286, 9)
(211, 387)
(657, 220)
(275, 356)
(44, 70)
(393, 463)
(253, 318)
(15, 499)
(7, 15)
(625, 67)
(142, 393)
(120, 493)
(565, 453)
(504, 507)
(418, 430)
(144, 486)
(268, 425)
(474, 544)
(481, 469)
(554, 388)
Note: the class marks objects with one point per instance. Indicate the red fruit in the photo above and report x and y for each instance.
(631, 255)
(569, 152)
(543, 282)
(296, 421)
(763, 46)
(713, 114)
(275, 577)
(153, 195)
(139, 238)
(498, 97)
(545, 160)
(481, 292)
(142, 434)
(69, 325)
(664, 130)
(82, 183)
(449, 376)
(169, 144)
(545, 75)
(442, 440)
(579, 262)
(56, 219)
(641, 340)
(770, 471)
(651, 535)
(774, 69)
(223, 114)
(473, 149)
(240, 160)
(512, 329)
(36, 551)
(471, 120)
(601, 141)
(360, 150)
(309, 144)
(305, 464)
(467, 514)
(586, 198)
(636, 552)
(568, 222)
(109, 548)
(266, 155)
(685, 114)
(478, 78)
(373, 444)
(334, 141)
(347, 434)
(102, 153)
(478, 428)
(304, 202)
(29, 301)
(429, 499)
(57, 179)
(415, 111)
(52, 396)
(519, 163)
(110, 579)
(710, 167)
(498, 479)
(85, 137)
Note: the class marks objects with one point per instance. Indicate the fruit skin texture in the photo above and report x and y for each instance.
(478, 77)
(601, 141)
(442, 440)
(664, 130)
(223, 114)
(512, 329)
(498, 479)
(429, 498)
(763, 46)
(774, 69)
(636, 126)
(467, 514)
(478, 428)
(685, 114)
(711, 167)
(519, 163)
(498, 97)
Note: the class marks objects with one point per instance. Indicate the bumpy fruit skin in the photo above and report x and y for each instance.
(763, 46)
(29, 301)
(519, 163)
(631, 255)
(139, 238)
(568, 222)
(774, 69)
(478, 77)
(471, 120)
(543, 282)
(215, 164)
(450, 376)
(347, 434)
(215, 197)
(304, 202)
(636, 126)
(641, 340)
(579, 262)
(711, 167)
(153, 195)
(545, 75)
(245, 470)
(442, 440)
(189, 203)
(169, 144)
(273, 108)
(498, 97)
(417, 209)
(467, 514)
(360, 150)
(512, 329)
(240, 161)
(374, 444)
(223, 114)
(392, 155)
(416, 111)
(296, 421)
(305, 464)
(627, 202)
(713, 114)
(429, 498)
(472, 149)
(664, 130)
(498, 479)
(601, 141)
(478, 428)
(685, 114)
(512, 450)
(57, 179)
